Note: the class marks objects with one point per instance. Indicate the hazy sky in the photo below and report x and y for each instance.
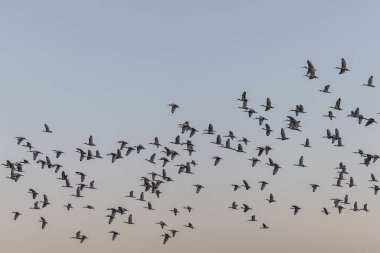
(109, 68)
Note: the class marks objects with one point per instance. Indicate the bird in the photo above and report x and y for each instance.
(189, 225)
(90, 142)
(20, 139)
(246, 185)
(263, 184)
(149, 206)
(261, 119)
(307, 143)
(326, 89)
(68, 206)
(295, 208)
(162, 224)
(129, 220)
(283, 135)
(188, 208)
(300, 162)
(369, 83)
(46, 129)
(271, 199)
(83, 238)
(151, 159)
(58, 153)
(337, 105)
(16, 215)
(314, 187)
(373, 178)
(173, 107)
(310, 70)
(243, 97)
(166, 237)
(217, 160)
(370, 121)
(198, 187)
(33, 192)
(246, 208)
(234, 205)
(236, 187)
(324, 210)
(209, 130)
(156, 142)
(43, 221)
(254, 161)
(174, 232)
(329, 115)
(45, 201)
(114, 234)
(375, 188)
(268, 105)
(89, 207)
(77, 235)
(175, 211)
(267, 129)
(343, 67)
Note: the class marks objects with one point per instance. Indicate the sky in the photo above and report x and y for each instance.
(110, 68)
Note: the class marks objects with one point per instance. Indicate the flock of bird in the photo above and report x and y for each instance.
(152, 182)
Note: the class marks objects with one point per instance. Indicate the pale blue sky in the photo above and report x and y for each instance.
(109, 68)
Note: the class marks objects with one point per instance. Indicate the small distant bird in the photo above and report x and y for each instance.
(90, 141)
(129, 220)
(43, 221)
(188, 208)
(173, 107)
(324, 210)
(16, 215)
(189, 225)
(174, 232)
(156, 142)
(89, 207)
(114, 234)
(198, 187)
(209, 130)
(263, 184)
(166, 237)
(271, 198)
(325, 89)
(283, 135)
(314, 187)
(307, 143)
(268, 105)
(47, 129)
(370, 121)
(337, 105)
(68, 206)
(300, 162)
(162, 224)
(83, 238)
(373, 178)
(369, 83)
(77, 235)
(295, 208)
(343, 67)
(33, 192)
(246, 185)
(58, 153)
(217, 160)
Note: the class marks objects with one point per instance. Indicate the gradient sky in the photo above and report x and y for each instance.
(109, 68)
